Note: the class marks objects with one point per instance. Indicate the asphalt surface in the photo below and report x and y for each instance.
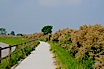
(41, 58)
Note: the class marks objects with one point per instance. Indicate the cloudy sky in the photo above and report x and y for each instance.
(29, 16)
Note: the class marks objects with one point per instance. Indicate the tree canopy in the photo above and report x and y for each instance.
(19, 34)
(47, 29)
(12, 33)
(3, 31)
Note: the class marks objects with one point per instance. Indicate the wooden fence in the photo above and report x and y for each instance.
(30, 43)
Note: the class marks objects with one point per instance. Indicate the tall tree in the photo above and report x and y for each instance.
(47, 29)
(3, 31)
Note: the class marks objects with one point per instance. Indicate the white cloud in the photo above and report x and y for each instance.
(58, 2)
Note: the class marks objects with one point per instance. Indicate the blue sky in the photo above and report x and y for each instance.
(29, 16)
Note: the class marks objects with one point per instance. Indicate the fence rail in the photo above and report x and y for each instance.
(10, 49)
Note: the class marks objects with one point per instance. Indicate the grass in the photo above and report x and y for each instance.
(12, 40)
(65, 61)
(17, 54)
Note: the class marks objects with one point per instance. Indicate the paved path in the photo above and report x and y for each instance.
(41, 58)
(5, 52)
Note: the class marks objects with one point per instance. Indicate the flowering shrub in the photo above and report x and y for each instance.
(85, 43)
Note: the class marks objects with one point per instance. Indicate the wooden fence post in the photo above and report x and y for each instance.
(16, 48)
(0, 56)
(10, 49)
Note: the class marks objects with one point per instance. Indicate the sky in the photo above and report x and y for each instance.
(29, 16)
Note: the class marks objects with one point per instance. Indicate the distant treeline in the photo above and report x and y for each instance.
(3, 31)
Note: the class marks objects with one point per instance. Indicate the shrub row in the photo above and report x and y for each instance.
(83, 44)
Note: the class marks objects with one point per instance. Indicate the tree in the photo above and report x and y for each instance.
(19, 35)
(12, 33)
(47, 29)
(3, 31)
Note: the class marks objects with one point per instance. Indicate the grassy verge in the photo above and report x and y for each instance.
(12, 40)
(18, 54)
(65, 61)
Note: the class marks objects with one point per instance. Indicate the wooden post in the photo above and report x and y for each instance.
(0, 56)
(10, 49)
(49, 37)
(16, 48)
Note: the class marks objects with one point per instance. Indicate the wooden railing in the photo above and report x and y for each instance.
(29, 43)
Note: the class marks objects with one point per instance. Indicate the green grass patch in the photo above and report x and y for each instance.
(12, 40)
(66, 61)
(18, 54)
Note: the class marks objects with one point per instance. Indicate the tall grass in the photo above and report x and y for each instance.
(66, 61)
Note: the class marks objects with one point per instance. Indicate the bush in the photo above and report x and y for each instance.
(87, 43)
